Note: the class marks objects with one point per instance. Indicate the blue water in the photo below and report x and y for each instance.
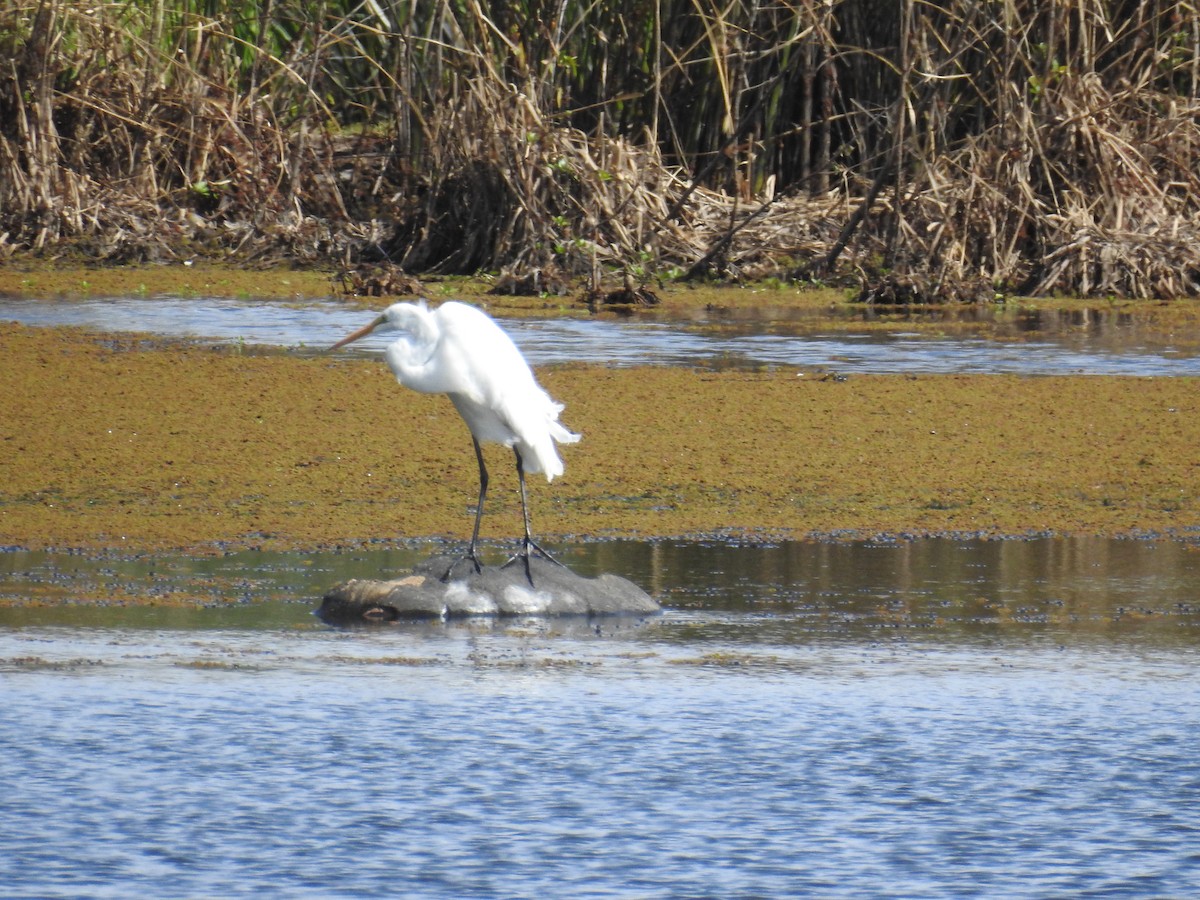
(934, 719)
(316, 324)
(845, 771)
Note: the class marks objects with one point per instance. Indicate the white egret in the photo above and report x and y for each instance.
(459, 350)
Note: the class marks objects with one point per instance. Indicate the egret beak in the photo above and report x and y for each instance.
(362, 332)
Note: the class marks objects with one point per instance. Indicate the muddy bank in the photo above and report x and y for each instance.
(141, 445)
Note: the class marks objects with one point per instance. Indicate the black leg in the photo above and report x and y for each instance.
(483, 485)
(527, 543)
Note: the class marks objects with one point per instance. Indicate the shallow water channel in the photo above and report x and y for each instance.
(1049, 343)
(938, 718)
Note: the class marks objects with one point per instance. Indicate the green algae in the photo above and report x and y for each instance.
(134, 445)
(31, 278)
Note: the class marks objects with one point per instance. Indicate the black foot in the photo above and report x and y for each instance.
(527, 547)
(470, 557)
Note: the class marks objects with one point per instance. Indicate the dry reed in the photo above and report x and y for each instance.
(964, 149)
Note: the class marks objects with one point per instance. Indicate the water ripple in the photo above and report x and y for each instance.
(934, 773)
(316, 324)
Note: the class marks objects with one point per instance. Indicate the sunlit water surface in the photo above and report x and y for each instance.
(1100, 345)
(931, 719)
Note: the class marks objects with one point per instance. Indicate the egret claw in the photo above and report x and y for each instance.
(468, 556)
(523, 555)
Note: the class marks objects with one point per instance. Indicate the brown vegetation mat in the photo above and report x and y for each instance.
(964, 148)
(136, 444)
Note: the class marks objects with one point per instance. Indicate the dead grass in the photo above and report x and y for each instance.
(968, 150)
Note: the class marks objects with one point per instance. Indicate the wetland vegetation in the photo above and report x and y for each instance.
(118, 442)
(915, 152)
(929, 151)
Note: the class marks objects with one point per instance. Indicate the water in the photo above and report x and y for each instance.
(1104, 346)
(935, 719)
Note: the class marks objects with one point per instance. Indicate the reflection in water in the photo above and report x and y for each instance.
(934, 719)
(950, 589)
(947, 587)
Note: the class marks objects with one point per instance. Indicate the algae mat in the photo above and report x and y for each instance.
(137, 444)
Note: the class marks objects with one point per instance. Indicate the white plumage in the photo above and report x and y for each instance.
(459, 350)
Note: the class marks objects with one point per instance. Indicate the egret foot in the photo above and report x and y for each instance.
(468, 557)
(528, 545)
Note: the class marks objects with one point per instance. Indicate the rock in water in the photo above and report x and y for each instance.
(496, 591)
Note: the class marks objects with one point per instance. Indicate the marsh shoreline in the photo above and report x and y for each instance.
(120, 443)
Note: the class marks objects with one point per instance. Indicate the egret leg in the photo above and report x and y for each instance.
(483, 485)
(527, 543)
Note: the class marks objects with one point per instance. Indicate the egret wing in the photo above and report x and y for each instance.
(498, 395)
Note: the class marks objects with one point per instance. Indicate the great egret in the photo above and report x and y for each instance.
(460, 351)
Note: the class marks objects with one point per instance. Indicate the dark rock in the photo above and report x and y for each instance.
(445, 587)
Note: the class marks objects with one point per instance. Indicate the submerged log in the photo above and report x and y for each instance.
(495, 591)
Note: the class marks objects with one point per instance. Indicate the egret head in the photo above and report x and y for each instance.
(397, 317)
